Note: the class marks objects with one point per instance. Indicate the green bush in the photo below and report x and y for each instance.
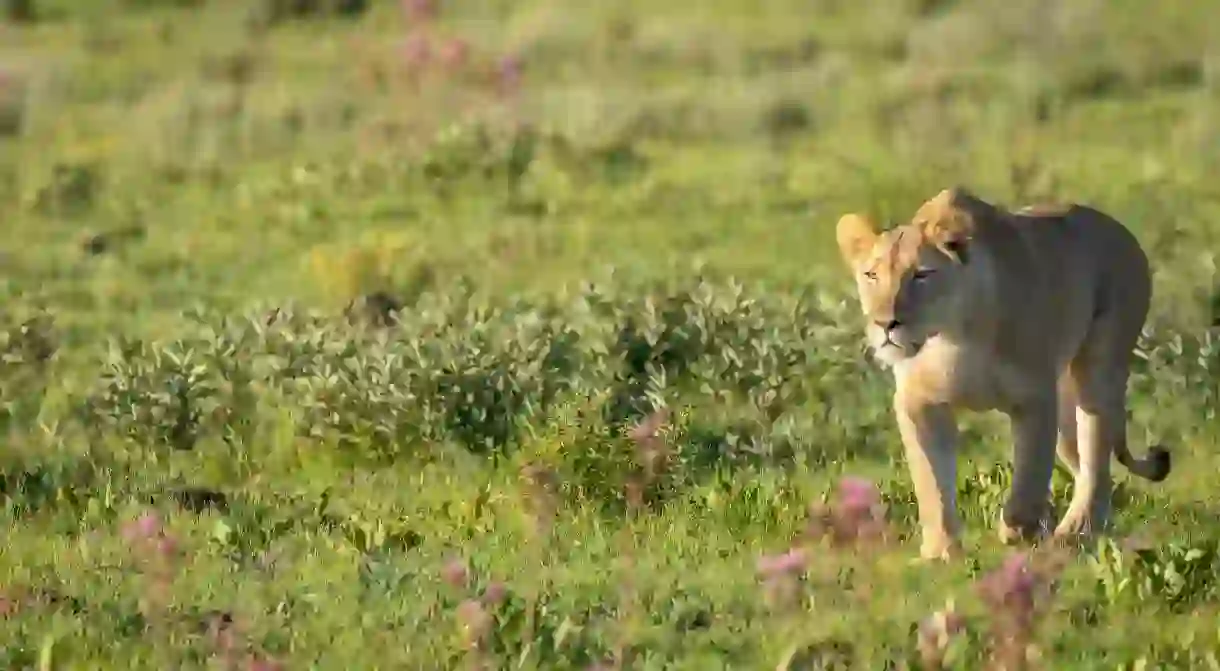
(19, 11)
(455, 372)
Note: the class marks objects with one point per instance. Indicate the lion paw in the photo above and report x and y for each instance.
(939, 549)
(1011, 534)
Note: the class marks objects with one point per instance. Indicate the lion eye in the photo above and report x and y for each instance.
(871, 276)
(923, 274)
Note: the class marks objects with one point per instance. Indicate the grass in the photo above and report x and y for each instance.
(592, 217)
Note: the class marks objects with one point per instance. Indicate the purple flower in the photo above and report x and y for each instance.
(1017, 573)
(165, 546)
(454, 573)
(469, 610)
(145, 526)
(792, 561)
(455, 53)
(475, 620)
(1013, 581)
(509, 76)
(416, 51)
(418, 11)
(495, 593)
(858, 495)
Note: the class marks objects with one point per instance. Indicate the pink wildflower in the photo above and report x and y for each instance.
(509, 74)
(859, 496)
(475, 620)
(454, 573)
(418, 11)
(416, 51)
(145, 526)
(1013, 581)
(495, 593)
(166, 546)
(455, 53)
(789, 562)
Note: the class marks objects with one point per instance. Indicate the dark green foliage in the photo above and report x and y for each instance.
(20, 11)
(168, 4)
(70, 189)
(451, 371)
(27, 347)
(275, 11)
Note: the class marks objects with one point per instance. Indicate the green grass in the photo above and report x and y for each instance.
(644, 220)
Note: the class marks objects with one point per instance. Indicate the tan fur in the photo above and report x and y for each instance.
(1034, 313)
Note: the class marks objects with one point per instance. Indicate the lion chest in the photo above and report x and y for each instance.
(973, 378)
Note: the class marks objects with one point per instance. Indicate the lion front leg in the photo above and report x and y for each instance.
(929, 438)
(1035, 428)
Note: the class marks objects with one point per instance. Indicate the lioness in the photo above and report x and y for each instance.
(1034, 313)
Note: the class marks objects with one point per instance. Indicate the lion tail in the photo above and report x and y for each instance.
(1155, 466)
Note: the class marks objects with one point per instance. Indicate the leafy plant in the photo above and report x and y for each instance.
(1180, 575)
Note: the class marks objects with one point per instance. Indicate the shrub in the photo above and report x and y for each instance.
(20, 11)
(12, 103)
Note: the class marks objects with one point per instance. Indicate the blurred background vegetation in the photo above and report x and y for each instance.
(322, 290)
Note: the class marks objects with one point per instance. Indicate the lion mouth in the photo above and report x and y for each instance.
(892, 351)
(908, 349)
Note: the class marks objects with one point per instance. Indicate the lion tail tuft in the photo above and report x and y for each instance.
(1154, 467)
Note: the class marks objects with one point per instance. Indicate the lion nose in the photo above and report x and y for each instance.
(888, 325)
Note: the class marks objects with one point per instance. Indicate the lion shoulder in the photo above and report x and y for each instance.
(1046, 210)
(1073, 231)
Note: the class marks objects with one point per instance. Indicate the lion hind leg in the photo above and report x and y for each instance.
(1099, 376)
(1066, 447)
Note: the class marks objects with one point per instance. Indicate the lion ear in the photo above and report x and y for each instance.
(856, 235)
(957, 250)
(947, 223)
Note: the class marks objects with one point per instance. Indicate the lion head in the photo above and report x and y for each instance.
(913, 280)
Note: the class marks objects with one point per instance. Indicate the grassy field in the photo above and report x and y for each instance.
(623, 418)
